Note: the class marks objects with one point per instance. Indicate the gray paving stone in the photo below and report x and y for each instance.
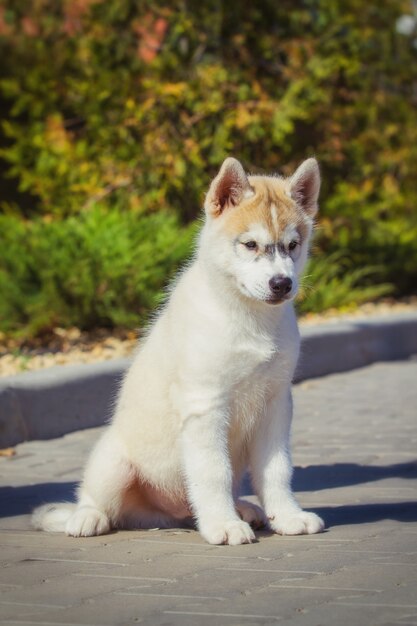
(354, 448)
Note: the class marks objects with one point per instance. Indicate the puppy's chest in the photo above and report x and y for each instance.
(250, 371)
(248, 401)
(258, 367)
(252, 359)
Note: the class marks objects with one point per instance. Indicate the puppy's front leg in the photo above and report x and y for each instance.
(271, 469)
(208, 474)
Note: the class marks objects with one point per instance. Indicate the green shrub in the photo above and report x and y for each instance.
(331, 282)
(104, 268)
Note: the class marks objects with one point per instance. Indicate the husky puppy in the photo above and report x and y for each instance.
(209, 391)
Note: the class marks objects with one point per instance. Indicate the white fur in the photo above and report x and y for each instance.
(208, 394)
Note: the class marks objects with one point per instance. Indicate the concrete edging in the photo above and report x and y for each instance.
(52, 402)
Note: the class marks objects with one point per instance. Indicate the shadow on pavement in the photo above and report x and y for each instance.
(316, 477)
(346, 515)
(320, 477)
(21, 500)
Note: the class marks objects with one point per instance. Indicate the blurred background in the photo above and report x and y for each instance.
(117, 113)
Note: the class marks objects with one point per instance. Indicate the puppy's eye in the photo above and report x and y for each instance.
(292, 245)
(251, 245)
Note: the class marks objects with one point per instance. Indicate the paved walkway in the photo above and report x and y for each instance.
(355, 447)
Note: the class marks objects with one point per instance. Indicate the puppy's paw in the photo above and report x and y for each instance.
(300, 523)
(86, 522)
(232, 533)
(251, 513)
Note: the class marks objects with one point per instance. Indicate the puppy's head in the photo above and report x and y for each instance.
(258, 228)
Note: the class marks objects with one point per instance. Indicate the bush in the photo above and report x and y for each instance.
(331, 282)
(133, 106)
(104, 268)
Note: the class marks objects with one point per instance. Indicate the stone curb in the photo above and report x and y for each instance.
(49, 403)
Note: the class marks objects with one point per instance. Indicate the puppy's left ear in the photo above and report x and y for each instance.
(305, 186)
(228, 189)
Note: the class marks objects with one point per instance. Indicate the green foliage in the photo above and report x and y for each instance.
(104, 268)
(331, 282)
(133, 105)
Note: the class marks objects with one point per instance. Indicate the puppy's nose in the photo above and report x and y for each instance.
(280, 285)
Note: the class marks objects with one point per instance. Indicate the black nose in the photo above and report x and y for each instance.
(280, 285)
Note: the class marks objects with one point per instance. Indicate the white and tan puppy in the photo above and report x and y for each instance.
(209, 391)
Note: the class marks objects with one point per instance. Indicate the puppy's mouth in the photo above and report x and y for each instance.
(277, 300)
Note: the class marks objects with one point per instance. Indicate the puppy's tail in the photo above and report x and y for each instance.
(52, 517)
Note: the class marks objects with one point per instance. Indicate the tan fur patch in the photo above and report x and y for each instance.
(270, 206)
(141, 496)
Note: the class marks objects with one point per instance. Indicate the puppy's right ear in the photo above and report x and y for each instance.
(228, 189)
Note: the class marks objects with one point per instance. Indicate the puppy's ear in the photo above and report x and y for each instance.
(305, 186)
(228, 189)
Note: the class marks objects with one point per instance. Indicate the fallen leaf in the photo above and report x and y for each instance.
(7, 452)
